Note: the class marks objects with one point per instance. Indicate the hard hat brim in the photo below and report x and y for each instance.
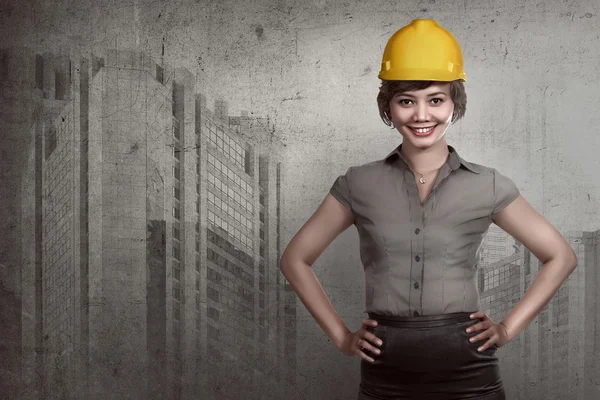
(422, 75)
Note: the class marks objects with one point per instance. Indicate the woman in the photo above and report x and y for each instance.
(421, 214)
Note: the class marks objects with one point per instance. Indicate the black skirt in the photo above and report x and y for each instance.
(429, 357)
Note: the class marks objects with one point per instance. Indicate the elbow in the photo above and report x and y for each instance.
(282, 265)
(566, 259)
(575, 261)
(572, 260)
(287, 261)
(284, 270)
(284, 261)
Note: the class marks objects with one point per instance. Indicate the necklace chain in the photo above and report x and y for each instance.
(422, 178)
(425, 173)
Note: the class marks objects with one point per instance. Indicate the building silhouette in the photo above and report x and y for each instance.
(555, 356)
(501, 285)
(559, 345)
(246, 329)
(146, 260)
(31, 107)
(531, 387)
(577, 316)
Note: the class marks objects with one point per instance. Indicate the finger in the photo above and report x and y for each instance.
(369, 322)
(478, 314)
(477, 338)
(364, 345)
(474, 328)
(486, 345)
(363, 355)
(480, 326)
(371, 338)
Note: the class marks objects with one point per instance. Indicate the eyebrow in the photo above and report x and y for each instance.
(429, 95)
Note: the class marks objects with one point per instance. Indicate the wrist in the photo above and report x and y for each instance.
(503, 325)
(339, 341)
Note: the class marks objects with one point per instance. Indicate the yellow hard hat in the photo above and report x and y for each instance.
(422, 51)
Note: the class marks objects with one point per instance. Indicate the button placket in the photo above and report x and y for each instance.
(416, 267)
(416, 284)
(416, 276)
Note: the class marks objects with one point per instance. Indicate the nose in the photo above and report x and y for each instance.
(421, 112)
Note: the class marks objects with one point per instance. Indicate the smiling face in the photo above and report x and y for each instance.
(423, 116)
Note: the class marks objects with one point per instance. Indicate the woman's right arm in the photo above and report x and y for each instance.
(330, 219)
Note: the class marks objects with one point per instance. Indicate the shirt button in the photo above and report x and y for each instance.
(416, 313)
(417, 231)
(416, 285)
(417, 257)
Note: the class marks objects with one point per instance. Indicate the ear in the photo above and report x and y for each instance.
(389, 117)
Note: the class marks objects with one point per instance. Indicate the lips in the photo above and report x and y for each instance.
(422, 131)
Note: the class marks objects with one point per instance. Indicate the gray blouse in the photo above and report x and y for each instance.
(422, 259)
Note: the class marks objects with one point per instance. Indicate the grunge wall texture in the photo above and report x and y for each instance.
(105, 293)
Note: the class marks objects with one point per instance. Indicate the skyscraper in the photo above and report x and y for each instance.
(148, 233)
(36, 94)
(501, 286)
(16, 141)
(577, 312)
(558, 353)
(240, 180)
(530, 345)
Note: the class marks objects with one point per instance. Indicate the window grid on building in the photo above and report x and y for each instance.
(230, 210)
(234, 193)
(234, 178)
(224, 244)
(176, 250)
(228, 300)
(500, 275)
(58, 271)
(231, 267)
(234, 234)
(226, 145)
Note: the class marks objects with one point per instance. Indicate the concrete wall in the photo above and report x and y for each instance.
(532, 84)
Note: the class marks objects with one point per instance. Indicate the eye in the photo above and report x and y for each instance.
(438, 102)
(404, 102)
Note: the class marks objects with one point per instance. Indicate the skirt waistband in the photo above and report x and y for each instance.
(421, 321)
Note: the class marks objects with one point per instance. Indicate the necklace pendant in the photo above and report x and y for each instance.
(422, 180)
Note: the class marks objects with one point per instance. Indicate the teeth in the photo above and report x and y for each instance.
(423, 130)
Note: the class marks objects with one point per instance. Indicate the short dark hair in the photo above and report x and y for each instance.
(389, 89)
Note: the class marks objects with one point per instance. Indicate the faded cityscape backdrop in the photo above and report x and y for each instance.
(143, 219)
(141, 231)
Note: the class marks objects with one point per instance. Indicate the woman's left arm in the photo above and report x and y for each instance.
(524, 223)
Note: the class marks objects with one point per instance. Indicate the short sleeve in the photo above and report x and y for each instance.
(505, 191)
(341, 189)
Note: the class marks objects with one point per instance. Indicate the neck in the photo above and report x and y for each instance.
(428, 159)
